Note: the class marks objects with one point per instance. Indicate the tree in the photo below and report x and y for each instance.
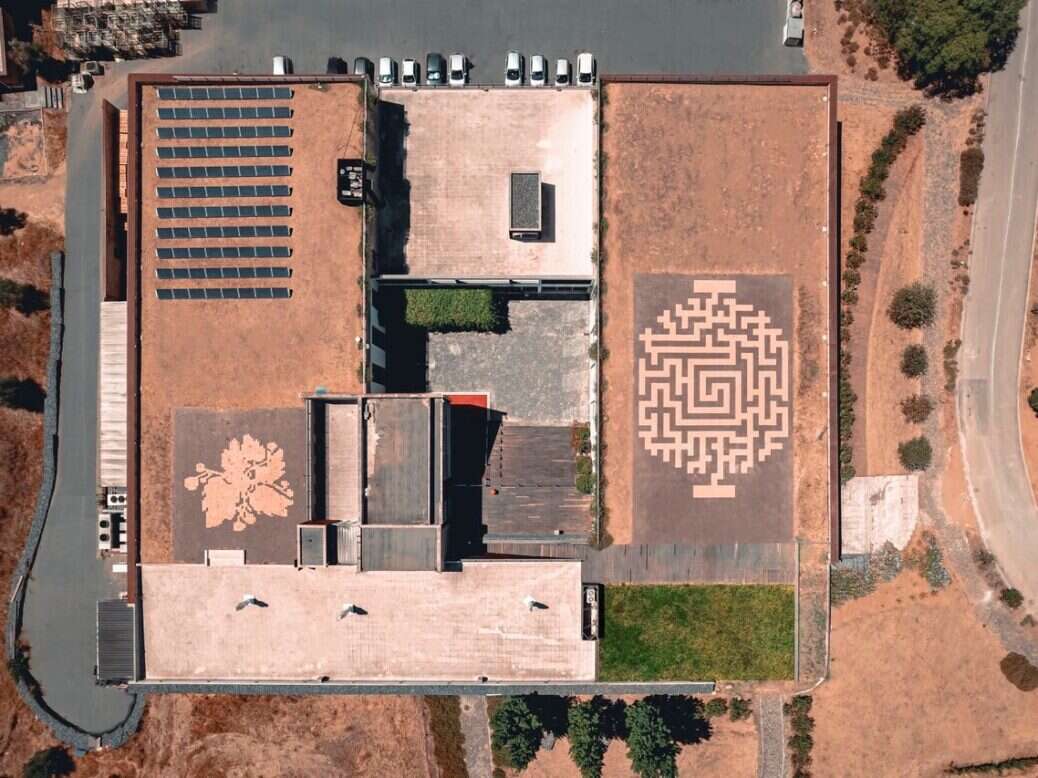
(1011, 598)
(915, 454)
(49, 762)
(944, 45)
(913, 306)
(516, 731)
(916, 408)
(587, 746)
(914, 361)
(1032, 400)
(650, 744)
(718, 706)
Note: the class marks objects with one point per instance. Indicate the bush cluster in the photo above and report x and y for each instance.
(801, 741)
(929, 562)
(739, 709)
(971, 164)
(915, 454)
(1032, 400)
(585, 481)
(914, 361)
(716, 707)
(913, 306)
(916, 408)
(454, 310)
(871, 191)
(1011, 598)
(848, 582)
(1019, 671)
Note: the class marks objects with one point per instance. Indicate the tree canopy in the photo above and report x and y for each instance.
(587, 747)
(516, 731)
(944, 45)
(650, 744)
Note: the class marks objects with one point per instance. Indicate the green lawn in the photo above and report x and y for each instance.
(697, 633)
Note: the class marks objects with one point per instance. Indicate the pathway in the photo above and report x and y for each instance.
(476, 728)
(771, 737)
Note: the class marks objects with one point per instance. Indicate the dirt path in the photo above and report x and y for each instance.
(770, 732)
(476, 729)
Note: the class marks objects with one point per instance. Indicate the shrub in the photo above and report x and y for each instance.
(971, 164)
(1011, 598)
(1032, 400)
(516, 731)
(22, 394)
(914, 361)
(448, 739)
(24, 298)
(585, 483)
(453, 310)
(916, 408)
(913, 306)
(908, 121)
(587, 746)
(915, 454)
(580, 438)
(929, 562)
(650, 744)
(49, 762)
(740, 709)
(859, 243)
(1019, 671)
(718, 706)
(855, 259)
(851, 277)
(584, 465)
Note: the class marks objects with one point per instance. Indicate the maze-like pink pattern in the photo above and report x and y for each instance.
(713, 387)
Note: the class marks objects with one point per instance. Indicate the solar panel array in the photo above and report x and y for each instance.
(223, 211)
(223, 133)
(225, 93)
(224, 252)
(179, 273)
(225, 171)
(223, 293)
(228, 112)
(248, 190)
(201, 132)
(221, 152)
(244, 231)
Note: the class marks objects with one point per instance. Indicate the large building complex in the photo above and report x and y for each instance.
(319, 492)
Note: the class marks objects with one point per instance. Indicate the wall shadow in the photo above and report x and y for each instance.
(394, 210)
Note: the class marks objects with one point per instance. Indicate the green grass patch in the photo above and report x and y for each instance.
(684, 633)
(454, 310)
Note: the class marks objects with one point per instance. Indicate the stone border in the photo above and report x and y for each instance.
(447, 688)
(81, 741)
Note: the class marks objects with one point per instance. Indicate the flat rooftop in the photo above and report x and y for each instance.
(717, 287)
(416, 626)
(447, 187)
(237, 191)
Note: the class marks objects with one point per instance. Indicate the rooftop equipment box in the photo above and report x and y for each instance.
(524, 206)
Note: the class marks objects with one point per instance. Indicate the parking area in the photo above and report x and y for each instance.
(445, 162)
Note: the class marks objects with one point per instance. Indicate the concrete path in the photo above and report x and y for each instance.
(476, 729)
(995, 313)
(771, 762)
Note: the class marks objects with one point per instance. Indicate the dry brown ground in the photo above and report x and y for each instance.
(206, 735)
(915, 684)
(731, 752)
(1029, 380)
(749, 145)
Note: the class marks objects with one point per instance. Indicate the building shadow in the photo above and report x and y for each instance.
(394, 211)
(407, 347)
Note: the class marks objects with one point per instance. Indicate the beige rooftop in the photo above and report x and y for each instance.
(417, 626)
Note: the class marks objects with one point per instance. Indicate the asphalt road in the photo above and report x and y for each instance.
(661, 36)
(996, 309)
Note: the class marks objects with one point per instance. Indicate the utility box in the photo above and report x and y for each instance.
(524, 206)
(350, 181)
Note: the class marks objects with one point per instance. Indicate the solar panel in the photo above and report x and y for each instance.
(224, 252)
(225, 293)
(225, 171)
(223, 133)
(245, 231)
(222, 211)
(224, 93)
(228, 112)
(247, 190)
(221, 152)
(220, 273)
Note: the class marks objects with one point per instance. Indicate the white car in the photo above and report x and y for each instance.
(514, 69)
(585, 68)
(562, 72)
(538, 70)
(386, 70)
(409, 72)
(282, 66)
(458, 71)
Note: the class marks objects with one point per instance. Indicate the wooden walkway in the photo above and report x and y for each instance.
(741, 563)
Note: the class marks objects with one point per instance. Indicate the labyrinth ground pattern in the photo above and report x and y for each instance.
(713, 387)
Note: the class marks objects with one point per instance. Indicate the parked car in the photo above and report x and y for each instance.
(409, 72)
(386, 70)
(337, 66)
(562, 72)
(282, 66)
(459, 70)
(586, 69)
(514, 69)
(435, 69)
(362, 67)
(538, 70)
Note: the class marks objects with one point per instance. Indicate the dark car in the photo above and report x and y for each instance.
(362, 67)
(337, 66)
(435, 70)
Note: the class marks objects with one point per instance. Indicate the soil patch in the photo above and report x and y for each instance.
(1029, 381)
